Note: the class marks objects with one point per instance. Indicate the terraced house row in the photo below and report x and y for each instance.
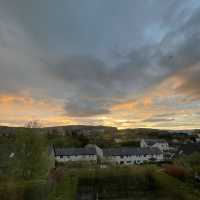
(92, 153)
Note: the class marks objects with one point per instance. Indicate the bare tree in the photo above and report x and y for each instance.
(33, 124)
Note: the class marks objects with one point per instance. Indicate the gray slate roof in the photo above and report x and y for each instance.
(74, 151)
(131, 151)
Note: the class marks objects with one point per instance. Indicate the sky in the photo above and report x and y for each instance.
(123, 63)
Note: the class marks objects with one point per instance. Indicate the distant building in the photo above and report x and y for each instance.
(118, 140)
(198, 138)
(130, 156)
(63, 155)
(155, 143)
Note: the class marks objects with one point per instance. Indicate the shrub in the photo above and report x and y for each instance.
(175, 171)
(56, 175)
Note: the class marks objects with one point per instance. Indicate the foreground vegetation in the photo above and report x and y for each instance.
(123, 183)
(143, 182)
(31, 175)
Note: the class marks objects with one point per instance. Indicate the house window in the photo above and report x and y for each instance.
(121, 162)
(121, 156)
(138, 162)
(61, 156)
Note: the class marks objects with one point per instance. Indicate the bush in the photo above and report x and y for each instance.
(13, 190)
(175, 171)
(56, 175)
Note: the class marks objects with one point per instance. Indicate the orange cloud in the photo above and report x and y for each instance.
(134, 104)
(161, 99)
(133, 113)
(125, 105)
(147, 101)
(17, 110)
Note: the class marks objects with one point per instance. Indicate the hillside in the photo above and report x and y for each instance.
(63, 130)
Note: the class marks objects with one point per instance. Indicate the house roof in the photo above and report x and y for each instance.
(131, 151)
(74, 151)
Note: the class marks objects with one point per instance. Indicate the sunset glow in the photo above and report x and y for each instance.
(131, 64)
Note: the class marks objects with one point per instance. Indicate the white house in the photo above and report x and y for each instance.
(99, 151)
(155, 143)
(130, 156)
(198, 138)
(123, 155)
(63, 155)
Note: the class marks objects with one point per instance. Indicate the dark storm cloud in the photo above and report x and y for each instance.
(140, 68)
(32, 15)
(183, 53)
(80, 107)
(90, 78)
(20, 68)
(180, 48)
(155, 40)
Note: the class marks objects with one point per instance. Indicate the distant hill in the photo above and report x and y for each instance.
(80, 130)
(97, 130)
(64, 130)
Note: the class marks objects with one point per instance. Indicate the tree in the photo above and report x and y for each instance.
(31, 155)
(191, 163)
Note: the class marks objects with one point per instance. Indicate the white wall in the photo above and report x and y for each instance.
(143, 144)
(76, 158)
(129, 160)
(162, 146)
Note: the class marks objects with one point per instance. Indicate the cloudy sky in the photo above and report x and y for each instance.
(124, 63)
